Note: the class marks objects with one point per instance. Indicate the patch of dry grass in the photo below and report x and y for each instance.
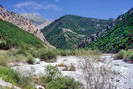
(125, 54)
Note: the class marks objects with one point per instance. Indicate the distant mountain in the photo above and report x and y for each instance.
(36, 19)
(21, 22)
(119, 36)
(11, 36)
(68, 31)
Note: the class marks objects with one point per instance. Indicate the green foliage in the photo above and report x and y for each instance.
(126, 55)
(120, 37)
(50, 55)
(31, 60)
(79, 52)
(130, 57)
(4, 59)
(63, 83)
(68, 31)
(120, 55)
(9, 75)
(44, 54)
(52, 73)
(14, 55)
(114, 41)
(12, 36)
(55, 80)
(15, 78)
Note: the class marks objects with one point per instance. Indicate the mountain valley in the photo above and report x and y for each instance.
(71, 52)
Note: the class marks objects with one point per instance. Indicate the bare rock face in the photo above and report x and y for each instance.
(22, 22)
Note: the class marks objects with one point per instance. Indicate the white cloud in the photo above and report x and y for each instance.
(37, 6)
(33, 5)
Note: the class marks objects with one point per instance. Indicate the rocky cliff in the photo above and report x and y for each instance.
(21, 22)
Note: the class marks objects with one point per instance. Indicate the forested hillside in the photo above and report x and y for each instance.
(12, 36)
(68, 31)
(117, 38)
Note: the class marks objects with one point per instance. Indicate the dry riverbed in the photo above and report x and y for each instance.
(70, 66)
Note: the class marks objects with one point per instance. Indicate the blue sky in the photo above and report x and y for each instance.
(53, 9)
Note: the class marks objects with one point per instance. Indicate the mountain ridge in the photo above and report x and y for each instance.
(80, 25)
(119, 37)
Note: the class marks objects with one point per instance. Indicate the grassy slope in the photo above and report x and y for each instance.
(120, 37)
(11, 35)
(79, 26)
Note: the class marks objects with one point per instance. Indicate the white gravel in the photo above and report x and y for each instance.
(126, 70)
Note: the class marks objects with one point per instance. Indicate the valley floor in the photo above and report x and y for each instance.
(65, 65)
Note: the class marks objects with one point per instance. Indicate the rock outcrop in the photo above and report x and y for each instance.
(37, 20)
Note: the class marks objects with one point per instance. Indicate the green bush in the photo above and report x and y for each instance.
(9, 75)
(48, 55)
(7, 56)
(4, 59)
(130, 57)
(15, 78)
(31, 59)
(124, 54)
(63, 83)
(52, 73)
(55, 80)
(120, 55)
(78, 52)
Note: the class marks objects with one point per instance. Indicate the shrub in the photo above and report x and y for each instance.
(48, 55)
(31, 60)
(52, 73)
(63, 83)
(79, 52)
(72, 68)
(9, 75)
(130, 57)
(18, 55)
(55, 80)
(126, 55)
(14, 77)
(97, 76)
(10, 56)
(120, 55)
(4, 58)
